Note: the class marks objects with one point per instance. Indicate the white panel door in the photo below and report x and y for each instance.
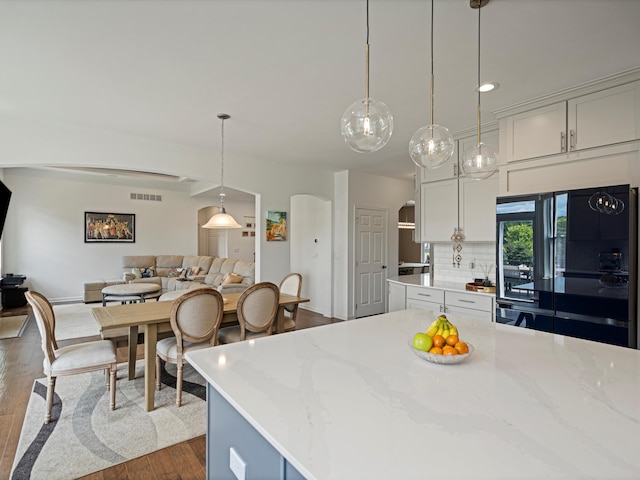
(370, 269)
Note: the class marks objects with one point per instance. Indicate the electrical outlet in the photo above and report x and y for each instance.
(237, 465)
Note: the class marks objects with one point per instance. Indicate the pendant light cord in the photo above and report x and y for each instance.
(366, 87)
(478, 84)
(432, 77)
(222, 170)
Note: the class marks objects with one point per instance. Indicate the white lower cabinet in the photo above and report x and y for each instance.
(397, 297)
(471, 305)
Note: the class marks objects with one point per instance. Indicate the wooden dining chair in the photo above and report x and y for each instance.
(257, 311)
(195, 320)
(72, 359)
(291, 285)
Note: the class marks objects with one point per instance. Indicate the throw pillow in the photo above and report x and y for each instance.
(173, 272)
(148, 272)
(137, 273)
(184, 272)
(230, 278)
(195, 270)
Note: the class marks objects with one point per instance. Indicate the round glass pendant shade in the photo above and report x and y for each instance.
(480, 161)
(366, 129)
(431, 146)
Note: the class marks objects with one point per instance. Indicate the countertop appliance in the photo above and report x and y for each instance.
(567, 263)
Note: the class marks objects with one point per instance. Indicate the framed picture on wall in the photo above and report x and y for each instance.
(276, 226)
(109, 227)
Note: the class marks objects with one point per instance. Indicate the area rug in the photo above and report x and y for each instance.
(11, 327)
(76, 320)
(84, 436)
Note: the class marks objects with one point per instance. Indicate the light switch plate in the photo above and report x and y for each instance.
(237, 465)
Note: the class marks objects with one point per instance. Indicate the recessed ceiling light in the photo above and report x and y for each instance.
(488, 87)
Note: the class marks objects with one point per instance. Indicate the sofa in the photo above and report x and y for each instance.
(175, 273)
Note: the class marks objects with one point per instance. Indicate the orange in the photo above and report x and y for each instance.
(438, 341)
(449, 350)
(436, 350)
(452, 340)
(462, 348)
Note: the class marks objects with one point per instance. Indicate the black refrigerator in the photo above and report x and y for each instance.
(567, 263)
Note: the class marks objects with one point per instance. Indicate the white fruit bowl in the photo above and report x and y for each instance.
(441, 359)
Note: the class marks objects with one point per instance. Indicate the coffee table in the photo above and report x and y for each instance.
(130, 292)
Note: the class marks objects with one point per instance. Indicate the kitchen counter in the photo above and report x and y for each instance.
(352, 401)
(424, 280)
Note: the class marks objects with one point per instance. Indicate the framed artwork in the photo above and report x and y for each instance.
(276, 226)
(109, 227)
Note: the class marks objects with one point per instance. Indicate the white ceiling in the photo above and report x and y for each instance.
(287, 69)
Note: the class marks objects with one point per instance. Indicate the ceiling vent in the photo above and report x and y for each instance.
(146, 196)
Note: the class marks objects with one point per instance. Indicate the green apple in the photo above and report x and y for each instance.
(422, 341)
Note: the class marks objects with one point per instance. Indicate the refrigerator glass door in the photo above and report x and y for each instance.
(525, 250)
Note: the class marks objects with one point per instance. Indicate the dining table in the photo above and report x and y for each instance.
(154, 318)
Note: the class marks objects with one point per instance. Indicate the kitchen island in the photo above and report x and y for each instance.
(352, 401)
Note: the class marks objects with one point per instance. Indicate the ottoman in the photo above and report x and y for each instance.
(93, 289)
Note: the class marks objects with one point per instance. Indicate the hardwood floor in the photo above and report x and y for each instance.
(21, 363)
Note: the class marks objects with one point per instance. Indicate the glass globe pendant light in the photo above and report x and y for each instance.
(482, 160)
(222, 219)
(366, 124)
(432, 145)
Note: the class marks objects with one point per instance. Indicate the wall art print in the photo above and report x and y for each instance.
(276, 226)
(109, 227)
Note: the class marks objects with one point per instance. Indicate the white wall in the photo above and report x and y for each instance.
(27, 143)
(310, 235)
(44, 234)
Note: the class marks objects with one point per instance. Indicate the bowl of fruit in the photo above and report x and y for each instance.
(440, 343)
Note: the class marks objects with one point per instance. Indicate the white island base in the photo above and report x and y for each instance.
(352, 401)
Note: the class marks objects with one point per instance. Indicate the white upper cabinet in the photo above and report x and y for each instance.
(536, 133)
(478, 209)
(460, 201)
(439, 210)
(444, 172)
(606, 117)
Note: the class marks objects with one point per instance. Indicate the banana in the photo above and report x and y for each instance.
(433, 328)
(445, 333)
(453, 330)
(440, 329)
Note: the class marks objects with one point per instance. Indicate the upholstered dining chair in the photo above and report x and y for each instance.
(72, 359)
(195, 320)
(257, 310)
(291, 285)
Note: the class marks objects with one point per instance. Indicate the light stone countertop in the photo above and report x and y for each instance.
(351, 401)
(424, 280)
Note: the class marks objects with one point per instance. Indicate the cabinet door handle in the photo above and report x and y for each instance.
(572, 140)
(461, 300)
(424, 294)
(455, 169)
(563, 142)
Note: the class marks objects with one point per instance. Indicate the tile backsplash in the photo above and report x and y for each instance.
(481, 255)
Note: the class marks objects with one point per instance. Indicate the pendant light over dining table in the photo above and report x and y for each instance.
(480, 161)
(222, 219)
(367, 124)
(432, 145)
